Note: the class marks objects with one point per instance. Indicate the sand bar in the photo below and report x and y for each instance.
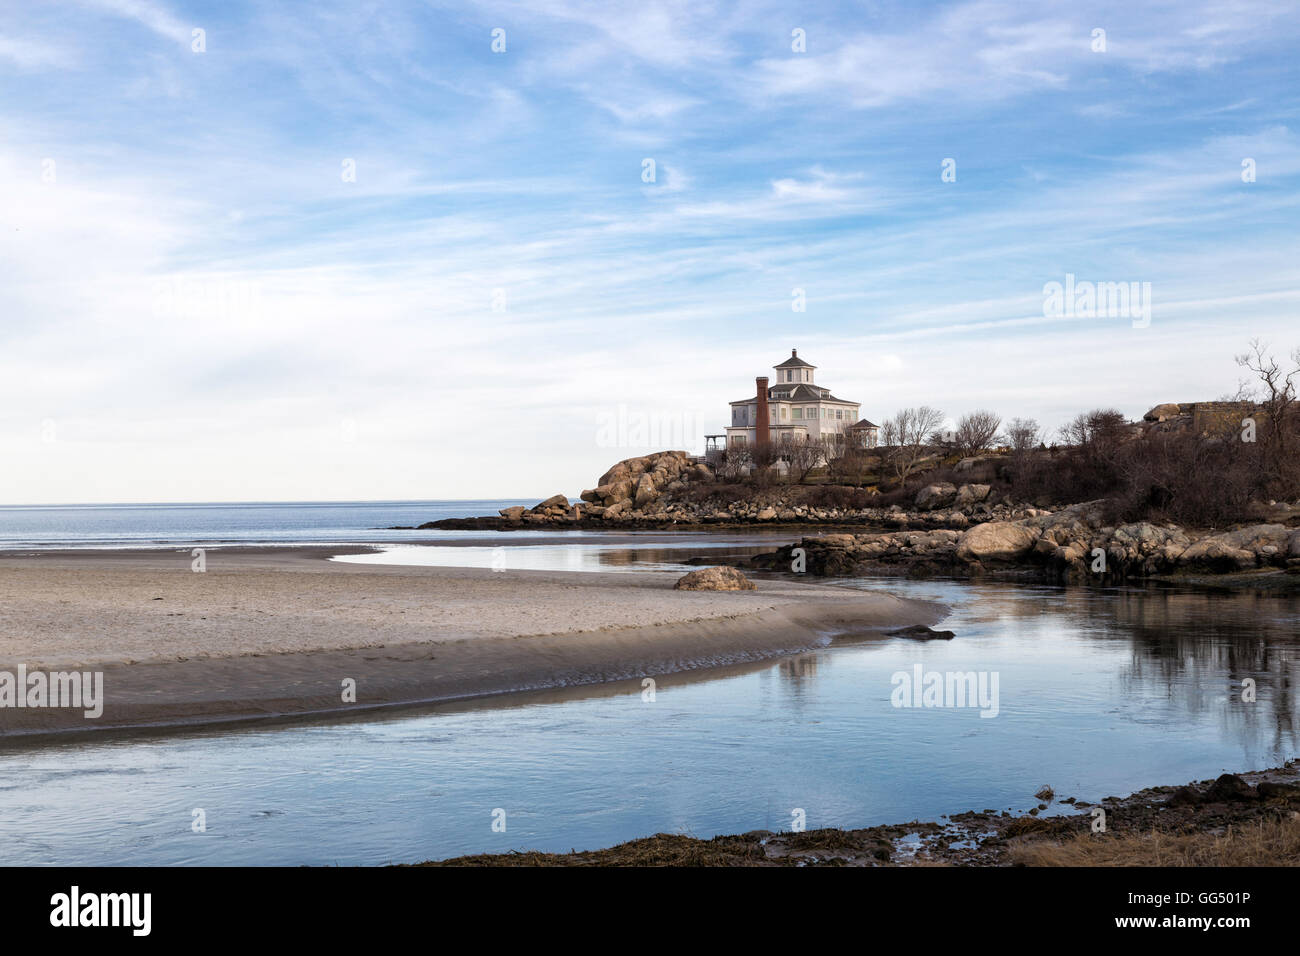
(275, 631)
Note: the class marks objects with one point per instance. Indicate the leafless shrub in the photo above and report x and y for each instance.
(977, 431)
(801, 456)
(907, 436)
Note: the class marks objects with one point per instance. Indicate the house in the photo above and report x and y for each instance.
(795, 408)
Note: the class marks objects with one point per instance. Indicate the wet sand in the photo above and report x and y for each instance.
(278, 631)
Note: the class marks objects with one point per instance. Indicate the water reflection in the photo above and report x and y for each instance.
(1191, 650)
(1102, 692)
(568, 557)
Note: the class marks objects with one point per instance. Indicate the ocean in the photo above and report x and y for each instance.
(215, 523)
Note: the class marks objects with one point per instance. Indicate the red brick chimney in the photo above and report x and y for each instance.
(763, 422)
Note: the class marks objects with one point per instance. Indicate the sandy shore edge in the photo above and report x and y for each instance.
(613, 627)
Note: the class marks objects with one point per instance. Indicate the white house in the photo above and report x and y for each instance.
(795, 408)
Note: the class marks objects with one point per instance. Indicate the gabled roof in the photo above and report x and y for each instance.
(863, 424)
(794, 361)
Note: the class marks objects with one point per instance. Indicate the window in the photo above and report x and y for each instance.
(785, 411)
(839, 413)
(798, 412)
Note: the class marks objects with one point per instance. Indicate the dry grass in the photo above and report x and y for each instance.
(662, 849)
(1038, 825)
(1266, 843)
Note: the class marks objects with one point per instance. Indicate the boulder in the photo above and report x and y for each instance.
(767, 514)
(513, 514)
(1239, 550)
(645, 490)
(1163, 412)
(936, 496)
(591, 495)
(968, 495)
(555, 501)
(714, 579)
(1230, 787)
(995, 541)
(619, 490)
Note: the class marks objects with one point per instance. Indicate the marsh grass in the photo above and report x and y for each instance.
(1263, 843)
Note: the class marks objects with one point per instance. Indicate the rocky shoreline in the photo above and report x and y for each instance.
(966, 530)
(671, 491)
(1180, 823)
(1074, 545)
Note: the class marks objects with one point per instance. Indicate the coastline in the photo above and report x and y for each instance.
(1247, 819)
(274, 631)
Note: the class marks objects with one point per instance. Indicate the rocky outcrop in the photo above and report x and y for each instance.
(1242, 549)
(553, 510)
(714, 579)
(833, 554)
(1072, 544)
(638, 484)
(663, 490)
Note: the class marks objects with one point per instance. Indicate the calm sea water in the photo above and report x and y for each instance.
(277, 522)
(1100, 693)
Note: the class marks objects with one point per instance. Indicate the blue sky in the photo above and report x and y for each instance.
(200, 306)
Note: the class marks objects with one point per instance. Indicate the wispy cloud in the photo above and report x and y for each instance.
(362, 212)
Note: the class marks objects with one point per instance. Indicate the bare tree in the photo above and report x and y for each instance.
(909, 432)
(977, 431)
(802, 455)
(734, 462)
(1101, 426)
(1277, 398)
(1024, 434)
(889, 434)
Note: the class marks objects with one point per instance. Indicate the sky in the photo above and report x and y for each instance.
(364, 250)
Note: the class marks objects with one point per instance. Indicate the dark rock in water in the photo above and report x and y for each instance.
(728, 560)
(919, 632)
(1184, 797)
(465, 524)
(1230, 787)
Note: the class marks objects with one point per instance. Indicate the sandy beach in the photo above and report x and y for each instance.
(277, 631)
